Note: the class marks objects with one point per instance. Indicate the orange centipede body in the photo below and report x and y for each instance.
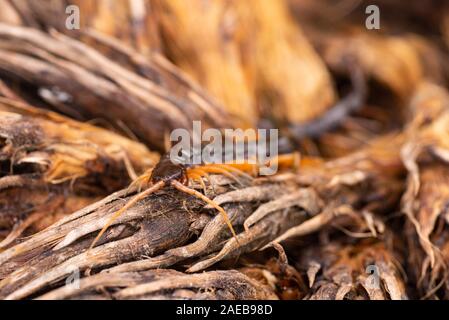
(168, 173)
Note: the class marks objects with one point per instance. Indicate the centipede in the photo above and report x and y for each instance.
(169, 173)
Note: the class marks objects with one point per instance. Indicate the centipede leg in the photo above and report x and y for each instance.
(191, 173)
(140, 181)
(131, 202)
(197, 177)
(199, 195)
(235, 168)
(197, 171)
(219, 170)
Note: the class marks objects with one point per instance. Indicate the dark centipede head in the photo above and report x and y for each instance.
(167, 171)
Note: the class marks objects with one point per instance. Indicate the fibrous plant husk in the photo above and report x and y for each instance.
(327, 196)
(52, 165)
(237, 42)
(166, 284)
(133, 22)
(394, 59)
(356, 271)
(251, 81)
(78, 80)
(364, 215)
(425, 200)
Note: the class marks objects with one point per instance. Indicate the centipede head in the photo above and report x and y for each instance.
(166, 170)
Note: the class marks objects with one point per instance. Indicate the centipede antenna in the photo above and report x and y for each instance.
(131, 202)
(199, 195)
(167, 141)
(140, 181)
